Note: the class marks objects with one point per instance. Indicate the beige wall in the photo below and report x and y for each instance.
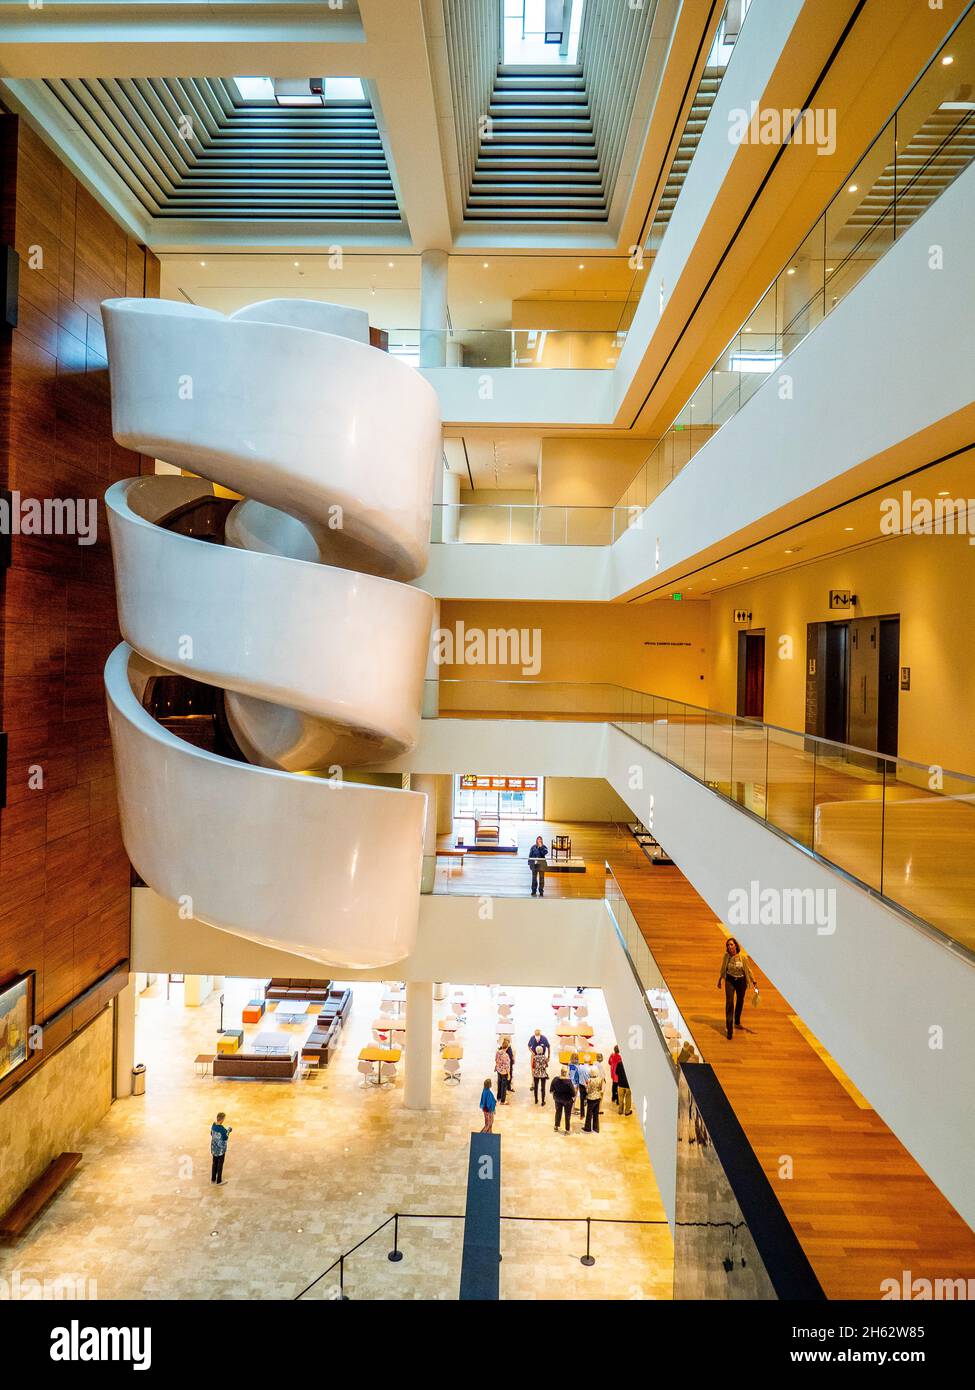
(583, 799)
(505, 516)
(928, 580)
(55, 1109)
(584, 315)
(581, 472)
(599, 642)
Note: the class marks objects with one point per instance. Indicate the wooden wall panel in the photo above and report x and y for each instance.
(64, 876)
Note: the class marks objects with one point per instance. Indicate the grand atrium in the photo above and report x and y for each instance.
(488, 657)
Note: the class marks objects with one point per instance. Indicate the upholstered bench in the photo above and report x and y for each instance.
(230, 1040)
(253, 1011)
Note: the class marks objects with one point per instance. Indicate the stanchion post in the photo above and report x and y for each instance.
(587, 1258)
(396, 1254)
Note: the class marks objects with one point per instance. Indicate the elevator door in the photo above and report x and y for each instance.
(864, 682)
(890, 652)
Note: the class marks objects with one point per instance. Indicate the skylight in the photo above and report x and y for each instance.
(303, 91)
(535, 31)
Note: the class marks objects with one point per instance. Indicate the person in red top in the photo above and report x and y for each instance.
(614, 1061)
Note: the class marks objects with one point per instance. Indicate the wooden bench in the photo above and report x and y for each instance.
(16, 1220)
(458, 852)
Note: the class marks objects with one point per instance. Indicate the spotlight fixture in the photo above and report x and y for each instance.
(947, 61)
(853, 187)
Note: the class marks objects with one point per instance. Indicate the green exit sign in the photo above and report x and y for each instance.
(678, 598)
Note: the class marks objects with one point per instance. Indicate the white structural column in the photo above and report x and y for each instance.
(433, 309)
(423, 782)
(419, 1045)
(125, 1009)
(431, 676)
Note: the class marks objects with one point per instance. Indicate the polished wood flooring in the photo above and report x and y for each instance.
(862, 1208)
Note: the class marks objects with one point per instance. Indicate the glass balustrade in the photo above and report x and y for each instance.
(517, 523)
(927, 143)
(483, 349)
(903, 829)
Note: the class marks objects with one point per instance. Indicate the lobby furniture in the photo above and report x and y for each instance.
(487, 830)
(321, 1042)
(451, 1069)
(387, 1073)
(561, 848)
(281, 988)
(291, 1010)
(203, 1063)
(338, 1005)
(257, 1066)
(386, 1057)
(34, 1198)
(458, 852)
(231, 1040)
(366, 1070)
(271, 1042)
(253, 1011)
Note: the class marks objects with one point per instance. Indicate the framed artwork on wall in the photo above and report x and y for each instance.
(16, 1021)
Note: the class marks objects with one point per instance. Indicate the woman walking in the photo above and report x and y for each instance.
(736, 976)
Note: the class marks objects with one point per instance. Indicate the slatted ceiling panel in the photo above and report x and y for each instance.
(690, 136)
(242, 161)
(541, 162)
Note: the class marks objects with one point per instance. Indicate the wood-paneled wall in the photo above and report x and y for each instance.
(64, 875)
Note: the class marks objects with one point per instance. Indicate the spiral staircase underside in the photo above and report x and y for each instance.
(292, 604)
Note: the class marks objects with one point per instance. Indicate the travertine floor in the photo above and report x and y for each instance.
(316, 1165)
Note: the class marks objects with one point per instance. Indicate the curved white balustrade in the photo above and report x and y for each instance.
(301, 618)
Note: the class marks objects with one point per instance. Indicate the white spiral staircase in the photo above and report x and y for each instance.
(302, 620)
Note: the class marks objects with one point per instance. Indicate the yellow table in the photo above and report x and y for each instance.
(453, 1051)
(380, 1054)
(566, 1057)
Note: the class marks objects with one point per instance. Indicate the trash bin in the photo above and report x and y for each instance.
(139, 1080)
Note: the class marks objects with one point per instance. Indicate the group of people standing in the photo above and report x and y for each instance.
(579, 1079)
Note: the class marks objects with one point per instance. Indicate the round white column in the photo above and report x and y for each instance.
(433, 308)
(424, 782)
(419, 1045)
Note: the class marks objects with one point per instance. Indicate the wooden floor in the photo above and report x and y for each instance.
(861, 1207)
(509, 875)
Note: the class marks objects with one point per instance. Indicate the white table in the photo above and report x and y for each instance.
(272, 1042)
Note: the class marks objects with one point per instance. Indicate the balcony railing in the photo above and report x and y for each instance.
(927, 143)
(522, 523)
(902, 829)
(487, 348)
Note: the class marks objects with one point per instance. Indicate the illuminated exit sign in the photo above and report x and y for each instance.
(678, 597)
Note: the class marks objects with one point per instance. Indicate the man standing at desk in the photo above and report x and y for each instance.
(537, 856)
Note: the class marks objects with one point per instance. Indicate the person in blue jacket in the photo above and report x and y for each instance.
(219, 1135)
(488, 1104)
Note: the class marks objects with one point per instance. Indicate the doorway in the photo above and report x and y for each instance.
(852, 683)
(751, 674)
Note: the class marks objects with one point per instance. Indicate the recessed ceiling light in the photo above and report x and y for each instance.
(203, 263)
(853, 187)
(943, 493)
(390, 264)
(847, 528)
(581, 266)
(295, 264)
(947, 61)
(485, 266)
(829, 270)
(792, 270)
(788, 552)
(748, 330)
(744, 567)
